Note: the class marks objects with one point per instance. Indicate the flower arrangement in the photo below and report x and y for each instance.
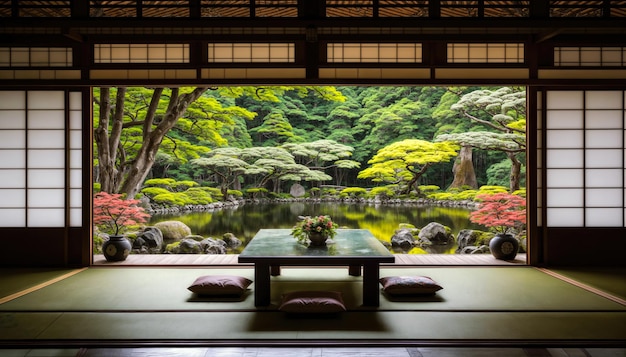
(320, 224)
(500, 211)
(114, 213)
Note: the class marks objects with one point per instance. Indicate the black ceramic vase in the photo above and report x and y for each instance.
(116, 248)
(504, 246)
(317, 239)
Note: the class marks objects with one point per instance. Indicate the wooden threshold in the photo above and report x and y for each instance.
(231, 260)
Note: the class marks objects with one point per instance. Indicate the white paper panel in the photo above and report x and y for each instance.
(46, 197)
(46, 217)
(12, 100)
(12, 159)
(76, 101)
(46, 139)
(46, 159)
(76, 157)
(565, 217)
(12, 198)
(565, 178)
(46, 100)
(75, 139)
(75, 198)
(604, 217)
(564, 119)
(603, 100)
(564, 138)
(46, 119)
(564, 158)
(564, 100)
(12, 178)
(75, 178)
(564, 197)
(76, 120)
(76, 216)
(12, 119)
(598, 197)
(12, 217)
(603, 178)
(605, 158)
(604, 138)
(46, 178)
(12, 139)
(604, 119)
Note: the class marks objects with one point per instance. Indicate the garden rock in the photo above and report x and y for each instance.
(467, 237)
(187, 246)
(213, 246)
(173, 230)
(436, 233)
(297, 190)
(231, 240)
(150, 240)
(403, 239)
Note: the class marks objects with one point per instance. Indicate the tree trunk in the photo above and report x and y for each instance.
(463, 170)
(141, 165)
(516, 169)
(110, 167)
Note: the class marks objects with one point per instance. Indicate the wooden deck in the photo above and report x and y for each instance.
(231, 260)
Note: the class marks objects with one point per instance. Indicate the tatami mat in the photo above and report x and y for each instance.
(138, 305)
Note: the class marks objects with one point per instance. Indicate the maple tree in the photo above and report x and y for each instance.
(116, 213)
(500, 211)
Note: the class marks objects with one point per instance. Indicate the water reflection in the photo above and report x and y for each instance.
(381, 220)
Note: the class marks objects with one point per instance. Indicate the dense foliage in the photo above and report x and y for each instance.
(215, 142)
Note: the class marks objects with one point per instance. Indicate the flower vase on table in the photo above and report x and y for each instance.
(314, 231)
(318, 239)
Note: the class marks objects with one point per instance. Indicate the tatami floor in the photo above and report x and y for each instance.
(318, 352)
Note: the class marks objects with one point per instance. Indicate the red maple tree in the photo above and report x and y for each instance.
(115, 213)
(500, 211)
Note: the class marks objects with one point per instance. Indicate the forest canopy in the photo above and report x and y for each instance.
(234, 138)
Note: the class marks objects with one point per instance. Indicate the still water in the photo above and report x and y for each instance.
(381, 220)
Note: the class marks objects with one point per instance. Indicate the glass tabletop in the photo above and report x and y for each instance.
(347, 243)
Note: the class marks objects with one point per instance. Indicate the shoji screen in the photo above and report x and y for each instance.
(585, 158)
(40, 159)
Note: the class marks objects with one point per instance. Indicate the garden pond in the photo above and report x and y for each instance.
(381, 220)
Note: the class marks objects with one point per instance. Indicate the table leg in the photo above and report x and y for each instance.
(261, 284)
(371, 291)
(275, 270)
(354, 270)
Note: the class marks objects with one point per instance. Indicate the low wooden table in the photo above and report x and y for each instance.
(272, 248)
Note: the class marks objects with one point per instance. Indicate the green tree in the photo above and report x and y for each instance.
(225, 164)
(502, 116)
(323, 155)
(406, 161)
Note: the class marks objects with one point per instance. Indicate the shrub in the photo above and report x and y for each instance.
(171, 199)
(353, 192)
(160, 182)
(112, 212)
(154, 191)
(180, 186)
(381, 191)
(198, 196)
(500, 211)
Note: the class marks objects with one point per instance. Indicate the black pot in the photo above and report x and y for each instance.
(116, 248)
(317, 239)
(504, 246)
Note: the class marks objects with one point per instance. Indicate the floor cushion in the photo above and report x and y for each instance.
(306, 302)
(409, 285)
(220, 285)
